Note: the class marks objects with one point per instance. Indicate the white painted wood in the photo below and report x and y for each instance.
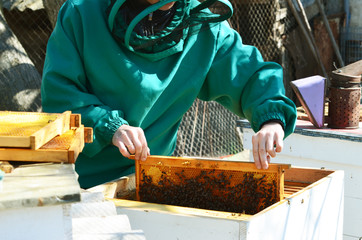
(42, 202)
(97, 218)
(95, 225)
(352, 192)
(329, 153)
(39, 185)
(40, 223)
(87, 196)
(132, 235)
(353, 176)
(331, 150)
(95, 209)
(353, 211)
(346, 237)
(316, 212)
(159, 225)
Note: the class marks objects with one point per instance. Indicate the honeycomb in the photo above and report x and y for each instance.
(23, 123)
(61, 142)
(216, 185)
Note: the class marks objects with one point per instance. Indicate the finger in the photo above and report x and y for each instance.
(279, 144)
(269, 145)
(145, 150)
(144, 154)
(123, 150)
(263, 154)
(130, 146)
(268, 159)
(255, 144)
(138, 149)
(127, 142)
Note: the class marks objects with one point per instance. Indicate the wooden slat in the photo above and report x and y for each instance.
(33, 134)
(75, 120)
(55, 128)
(15, 141)
(28, 155)
(189, 163)
(205, 163)
(305, 175)
(88, 134)
(64, 148)
(17, 127)
(77, 145)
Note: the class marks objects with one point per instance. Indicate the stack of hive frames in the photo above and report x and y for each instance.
(229, 186)
(42, 137)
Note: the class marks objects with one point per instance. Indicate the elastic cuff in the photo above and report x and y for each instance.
(273, 121)
(112, 126)
(272, 116)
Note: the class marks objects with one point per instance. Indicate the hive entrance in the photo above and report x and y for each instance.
(227, 186)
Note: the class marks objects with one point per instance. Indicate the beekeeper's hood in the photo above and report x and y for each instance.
(190, 16)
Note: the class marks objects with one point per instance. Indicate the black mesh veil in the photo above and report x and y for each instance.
(143, 28)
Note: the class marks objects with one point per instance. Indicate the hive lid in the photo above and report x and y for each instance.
(311, 94)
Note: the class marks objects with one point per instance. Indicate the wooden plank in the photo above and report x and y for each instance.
(313, 213)
(177, 210)
(64, 148)
(305, 175)
(28, 155)
(39, 131)
(75, 120)
(17, 127)
(77, 145)
(40, 223)
(57, 127)
(281, 183)
(17, 141)
(207, 163)
(88, 134)
(42, 184)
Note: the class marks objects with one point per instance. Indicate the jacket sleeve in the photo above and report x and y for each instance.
(65, 84)
(242, 82)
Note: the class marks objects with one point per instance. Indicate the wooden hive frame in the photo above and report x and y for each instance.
(63, 148)
(41, 128)
(161, 168)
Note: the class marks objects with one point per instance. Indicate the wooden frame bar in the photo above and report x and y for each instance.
(37, 139)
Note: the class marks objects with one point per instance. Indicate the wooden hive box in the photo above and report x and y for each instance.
(31, 129)
(42, 137)
(311, 208)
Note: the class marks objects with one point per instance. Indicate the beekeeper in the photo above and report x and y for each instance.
(132, 68)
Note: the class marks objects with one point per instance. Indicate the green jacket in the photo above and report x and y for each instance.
(110, 83)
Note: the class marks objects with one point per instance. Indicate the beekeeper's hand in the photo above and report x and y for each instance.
(266, 143)
(131, 141)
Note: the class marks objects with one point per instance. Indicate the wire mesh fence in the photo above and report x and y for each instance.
(351, 44)
(207, 129)
(32, 28)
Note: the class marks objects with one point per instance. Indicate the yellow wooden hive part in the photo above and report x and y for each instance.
(32, 129)
(63, 141)
(214, 184)
(23, 123)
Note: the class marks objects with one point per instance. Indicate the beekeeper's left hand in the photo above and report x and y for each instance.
(266, 143)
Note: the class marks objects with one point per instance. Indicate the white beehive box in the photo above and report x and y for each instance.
(312, 208)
